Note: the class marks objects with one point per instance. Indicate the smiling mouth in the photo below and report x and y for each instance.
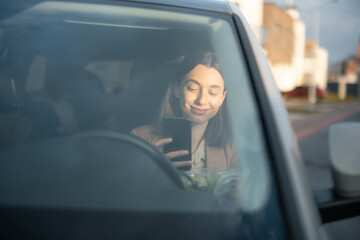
(199, 111)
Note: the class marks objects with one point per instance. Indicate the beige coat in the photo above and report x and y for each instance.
(219, 158)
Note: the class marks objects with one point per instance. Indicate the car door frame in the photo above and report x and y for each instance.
(300, 210)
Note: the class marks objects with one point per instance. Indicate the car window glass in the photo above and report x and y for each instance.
(36, 76)
(78, 78)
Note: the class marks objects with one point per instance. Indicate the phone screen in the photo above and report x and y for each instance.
(179, 129)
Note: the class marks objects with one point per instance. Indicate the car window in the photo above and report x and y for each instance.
(83, 87)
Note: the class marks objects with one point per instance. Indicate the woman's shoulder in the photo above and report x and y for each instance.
(230, 153)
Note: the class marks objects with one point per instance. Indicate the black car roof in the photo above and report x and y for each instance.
(208, 5)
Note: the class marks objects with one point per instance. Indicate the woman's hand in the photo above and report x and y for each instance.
(175, 154)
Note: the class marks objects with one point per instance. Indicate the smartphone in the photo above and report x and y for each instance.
(179, 129)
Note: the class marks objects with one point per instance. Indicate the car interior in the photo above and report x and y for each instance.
(69, 167)
(58, 93)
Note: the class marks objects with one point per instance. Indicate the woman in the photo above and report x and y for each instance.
(199, 94)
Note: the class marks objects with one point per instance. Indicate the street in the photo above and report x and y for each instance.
(311, 130)
(314, 149)
(315, 153)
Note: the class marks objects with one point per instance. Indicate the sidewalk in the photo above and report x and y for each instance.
(307, 120)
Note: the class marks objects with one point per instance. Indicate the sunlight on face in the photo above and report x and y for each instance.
(201, 94)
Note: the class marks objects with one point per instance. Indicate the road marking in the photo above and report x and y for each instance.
(336, 116)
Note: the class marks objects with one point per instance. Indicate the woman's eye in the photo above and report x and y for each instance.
(212, 93)
(192, 89)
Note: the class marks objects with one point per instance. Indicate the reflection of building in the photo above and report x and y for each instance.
(284, 45)
(316, 65)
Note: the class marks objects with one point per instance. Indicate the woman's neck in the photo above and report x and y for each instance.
(197, 133)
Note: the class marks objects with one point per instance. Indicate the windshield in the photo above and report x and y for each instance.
(131, 108)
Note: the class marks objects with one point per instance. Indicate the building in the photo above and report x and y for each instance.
(282, 35)
(299, 42)
(253, 13)
(316, 65)
(278, 44)
(348, 72)
(349, 68)
(284, 45)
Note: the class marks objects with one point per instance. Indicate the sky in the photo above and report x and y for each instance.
(339, 28)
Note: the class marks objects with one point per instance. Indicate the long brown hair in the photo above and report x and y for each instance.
(218, 130)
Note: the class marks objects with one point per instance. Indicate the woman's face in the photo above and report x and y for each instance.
(201, 94)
